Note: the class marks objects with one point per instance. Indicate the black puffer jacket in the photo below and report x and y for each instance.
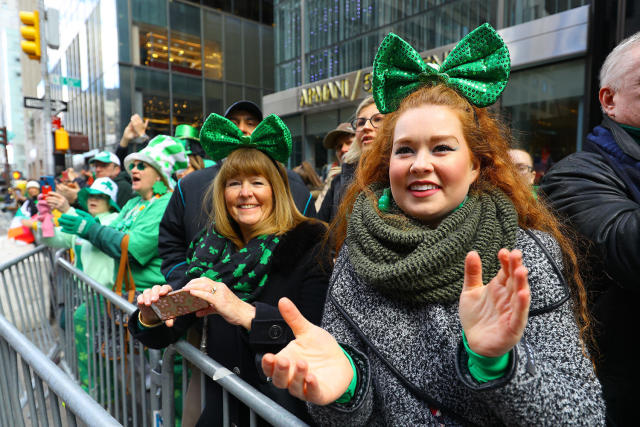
(185, 217)
(300, 270)
(594, 195)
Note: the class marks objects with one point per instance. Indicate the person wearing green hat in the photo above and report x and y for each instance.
(198, 158)
(456, 298)
(256, 247)
(99, 202)
(184, 217)
(150, 171)
(108, 165)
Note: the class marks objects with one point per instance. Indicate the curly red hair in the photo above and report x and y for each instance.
(489, 142)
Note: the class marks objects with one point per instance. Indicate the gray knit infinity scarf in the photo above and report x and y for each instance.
(408, 261)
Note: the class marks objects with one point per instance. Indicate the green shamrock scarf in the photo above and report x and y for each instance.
(244, 271)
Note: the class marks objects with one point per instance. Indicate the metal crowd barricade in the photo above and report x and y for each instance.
(26, 297)
(258, 403)
(129, 380)
(25, 370)
(114, 368)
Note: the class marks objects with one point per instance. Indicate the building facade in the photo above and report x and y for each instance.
(171, 62)
(324, 51)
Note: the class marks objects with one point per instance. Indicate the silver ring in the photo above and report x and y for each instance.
(213, 290)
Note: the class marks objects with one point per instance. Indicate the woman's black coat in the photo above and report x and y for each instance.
(300, 271)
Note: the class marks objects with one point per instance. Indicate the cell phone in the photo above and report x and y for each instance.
(177, 303)
(47, 183)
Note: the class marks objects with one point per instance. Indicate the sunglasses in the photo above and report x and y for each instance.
(140, 166)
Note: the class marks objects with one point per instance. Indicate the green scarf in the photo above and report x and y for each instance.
(408, 261)
(244, 271)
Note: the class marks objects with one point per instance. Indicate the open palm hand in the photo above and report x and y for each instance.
(494, 316)
(312, 367)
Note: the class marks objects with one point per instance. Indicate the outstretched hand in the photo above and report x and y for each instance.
(494, 316)
(312, 367)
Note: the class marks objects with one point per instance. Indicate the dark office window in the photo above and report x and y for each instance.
(185, 52)
(152, 95)
(224, 5)
(249, 9)
(187, 100)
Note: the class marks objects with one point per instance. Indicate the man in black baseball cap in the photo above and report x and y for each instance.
(245, 114)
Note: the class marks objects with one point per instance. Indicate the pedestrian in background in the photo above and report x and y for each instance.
(448, 305)
(339, 140)
(597, 190)
(255, 248)
(524, 165)
(368, 120)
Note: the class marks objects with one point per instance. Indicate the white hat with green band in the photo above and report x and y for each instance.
(100, 187)
(165, 154)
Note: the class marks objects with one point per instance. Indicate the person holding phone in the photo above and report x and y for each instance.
(99, 201)
(151, 171)
(256, 248)
(449, 303)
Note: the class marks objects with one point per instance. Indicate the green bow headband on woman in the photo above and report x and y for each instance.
(219, 136)
(477, 68)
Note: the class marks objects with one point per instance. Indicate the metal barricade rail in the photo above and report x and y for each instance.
(24, 369)
(129, 380)
(26, 297)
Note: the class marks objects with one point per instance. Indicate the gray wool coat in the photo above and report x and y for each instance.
(549, 380)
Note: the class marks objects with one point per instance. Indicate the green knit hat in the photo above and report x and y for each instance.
(165, 154)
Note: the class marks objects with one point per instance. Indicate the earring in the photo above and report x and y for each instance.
(159, 188)
(385, 200)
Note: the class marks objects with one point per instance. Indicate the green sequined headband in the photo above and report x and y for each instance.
(477, 68)
(219, 136)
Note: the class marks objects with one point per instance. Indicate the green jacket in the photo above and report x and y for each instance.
(98, 265)
(140, 219)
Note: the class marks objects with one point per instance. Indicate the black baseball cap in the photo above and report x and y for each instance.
(245, 106)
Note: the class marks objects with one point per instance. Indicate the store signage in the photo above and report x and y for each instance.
(349, 87)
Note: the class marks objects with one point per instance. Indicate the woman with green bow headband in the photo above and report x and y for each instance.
(256, 249)
(448, 304)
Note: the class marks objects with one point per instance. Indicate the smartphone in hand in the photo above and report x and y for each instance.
(177, 303)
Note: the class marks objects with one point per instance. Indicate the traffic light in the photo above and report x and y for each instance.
(61, 139)
(31, 34)
(3, 136)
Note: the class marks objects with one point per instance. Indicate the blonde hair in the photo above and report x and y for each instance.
(284, 215)
(355, 150)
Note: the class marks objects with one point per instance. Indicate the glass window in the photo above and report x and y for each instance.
(218, 4)
(318, 125)
(214, 99)
(233, 93)
(249, 9)
(519, 11)
(187, 100)
(213, 59)
(150, 46)
(152, 12)
(294, 123)
(543, 106)
(267, 58)
(251, 40)
(185, 52)
(233, 50)
(151, 95)
(253, 95)
(267, 12)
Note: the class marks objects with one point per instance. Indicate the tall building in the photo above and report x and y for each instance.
(171, 62)
(325, 49)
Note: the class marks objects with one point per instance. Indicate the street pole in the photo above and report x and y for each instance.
(48, 142)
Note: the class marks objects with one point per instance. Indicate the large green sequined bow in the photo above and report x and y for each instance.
(478, 68)
(219, 136)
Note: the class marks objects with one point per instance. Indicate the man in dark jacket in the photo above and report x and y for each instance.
(598, 192)
(185, 215)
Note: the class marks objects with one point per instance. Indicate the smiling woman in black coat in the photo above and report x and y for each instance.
(256, 249)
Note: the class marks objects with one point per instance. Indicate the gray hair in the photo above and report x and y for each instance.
(616, 65)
